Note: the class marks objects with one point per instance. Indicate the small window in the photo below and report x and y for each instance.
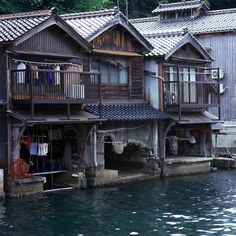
(170, 15)
(112, 71)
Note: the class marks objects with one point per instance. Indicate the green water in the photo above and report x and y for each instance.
(193, 205)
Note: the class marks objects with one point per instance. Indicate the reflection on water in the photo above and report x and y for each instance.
(193, 205)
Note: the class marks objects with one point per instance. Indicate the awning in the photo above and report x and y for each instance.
(128, 112)
(194, 118)
(49, 118)
(118, 53)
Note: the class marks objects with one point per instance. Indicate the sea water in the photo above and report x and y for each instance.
(192, 205)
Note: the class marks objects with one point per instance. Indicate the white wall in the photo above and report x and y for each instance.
(151, 83)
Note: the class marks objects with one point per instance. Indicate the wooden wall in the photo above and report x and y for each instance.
(3, 120)
(188, 51)
(51, 40)
(223, 50)
(117, 39)
(137, 74)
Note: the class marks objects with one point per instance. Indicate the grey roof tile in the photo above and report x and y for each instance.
(180, 6)
(164, 43)
(210, 22)
(128, 112)
(13, 26)
(91, 24)
(87, 23)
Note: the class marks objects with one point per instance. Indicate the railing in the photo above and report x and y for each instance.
(49, 85)
(191, 94)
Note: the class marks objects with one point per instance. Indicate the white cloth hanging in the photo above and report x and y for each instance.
(57, 79)
(42, 149)
(20, 77)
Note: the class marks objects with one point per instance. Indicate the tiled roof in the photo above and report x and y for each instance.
(210, 22)
(87, 23)
(90, 24)
(164, 43)
(116, 112)
(13, 26)
(179, 6)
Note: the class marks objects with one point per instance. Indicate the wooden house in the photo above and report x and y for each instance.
(44, 127)
(215, 30)
(178, 75)
(129, 136)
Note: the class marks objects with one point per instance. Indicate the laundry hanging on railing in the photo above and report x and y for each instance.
(39, 149)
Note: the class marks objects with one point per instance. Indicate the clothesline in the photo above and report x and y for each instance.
(120, 129)
(46, 63)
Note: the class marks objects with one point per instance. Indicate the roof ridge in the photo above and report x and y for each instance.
(28, 14)
(166, 34)
(181, 3)
(221, 11)
(110, 11)
(137, 20)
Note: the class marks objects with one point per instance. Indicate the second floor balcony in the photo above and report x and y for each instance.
(48, 86)
(190, 89)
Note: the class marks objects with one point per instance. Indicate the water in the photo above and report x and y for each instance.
(193, 205)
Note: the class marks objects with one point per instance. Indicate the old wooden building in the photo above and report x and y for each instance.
(182, 69)
(129, 137)
(44, 127)
(215, 30)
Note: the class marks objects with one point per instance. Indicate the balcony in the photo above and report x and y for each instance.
(53, 87)
(190, 90)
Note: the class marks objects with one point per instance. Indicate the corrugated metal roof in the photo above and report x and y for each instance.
(13, 26)
(210, 22)
(194, 118)
(180, 6)
(128, 112)
(55, 118)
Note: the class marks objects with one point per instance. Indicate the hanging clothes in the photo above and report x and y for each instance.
(20, 76)
(36, 72)
(28, 73)
(57, 78)
(49, 74)
(42, 149)
(34, 149)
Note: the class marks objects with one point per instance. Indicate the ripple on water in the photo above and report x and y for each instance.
(133, 233)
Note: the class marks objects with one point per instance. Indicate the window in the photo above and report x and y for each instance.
(112, 71)
(189, 75)
(188, 89)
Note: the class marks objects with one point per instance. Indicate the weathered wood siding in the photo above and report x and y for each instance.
(137, 74)
(188, 51)
(3, 120)
(51, 40)
(223, 50)
(117, 39)
(116, 92)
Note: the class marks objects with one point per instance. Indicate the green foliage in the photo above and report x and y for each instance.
(136, 8)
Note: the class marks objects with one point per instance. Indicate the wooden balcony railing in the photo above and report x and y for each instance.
(55, 86)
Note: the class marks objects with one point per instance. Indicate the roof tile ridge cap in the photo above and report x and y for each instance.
(26, 14)
(144, 19)
(181, 3)
(221, 11)
(110, 11)
(166, 34)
